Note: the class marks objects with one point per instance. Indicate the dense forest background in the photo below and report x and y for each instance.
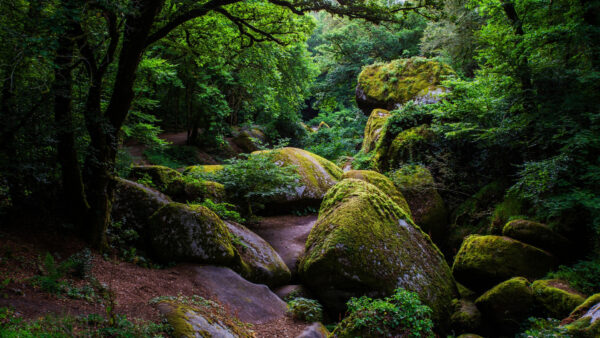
(83, 83)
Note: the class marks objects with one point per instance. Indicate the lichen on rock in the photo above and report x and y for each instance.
(484, 261)
(364, 243)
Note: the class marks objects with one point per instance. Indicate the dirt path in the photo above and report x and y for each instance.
(287, 235)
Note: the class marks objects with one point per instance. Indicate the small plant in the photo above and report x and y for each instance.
(308, 310)
(147, 181)
(583, 275)
(544, 328)
(224, 210)
(401, 314)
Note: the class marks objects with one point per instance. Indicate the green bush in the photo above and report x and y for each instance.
(253, 179)
(225, 211)
(583, 275)
(172, 156)
(308, 310)
(401, 314)
(543, 328)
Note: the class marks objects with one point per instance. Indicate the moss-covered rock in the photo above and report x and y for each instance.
(265, 265)
(466, 316)
(383, 183)
(506, 305)
(426, 205)
(466, 293)
(364, 243)
(537, 234)
(182, 233)
(555, 298)
(206, 319)
(584, 321)
(134, 204)
(484, 261)
(199, 170)
(409, 146)
(374, 128)
(161, 176)
(317, 175)
(388, 85)
(316, 330)
(510, 208)
(248, 140)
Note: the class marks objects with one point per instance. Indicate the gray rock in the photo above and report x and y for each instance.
(316, 330)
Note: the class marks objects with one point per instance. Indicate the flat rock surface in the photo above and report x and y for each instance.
(287, 235)
(252, 303)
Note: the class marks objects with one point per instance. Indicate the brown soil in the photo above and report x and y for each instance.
(134, 286)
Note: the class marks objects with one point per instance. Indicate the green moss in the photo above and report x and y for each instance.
(427, 207)
(580, 320)
(161, 176)
(381, 182)
(317, 174)
(409, 146)
(507, 304)
(374, 128)
(511, 207)
(466, 316)
(191, 234)
(364, 242)
(202, 169)
(414, 78)
(537, 234)
(483, 261)
(249, 140)
(556, 298)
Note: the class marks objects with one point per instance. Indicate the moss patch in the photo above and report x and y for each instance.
(537, 234)
(364, 243)
(556, 298)
(374, 128)
(466, 316)
(199, 170)
(381, 182)
(483, 261)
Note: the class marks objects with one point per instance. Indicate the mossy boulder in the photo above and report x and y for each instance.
(317, 175)
(555, 298)
(426, 205)
(364, 244)
(182, 233)
(134, 204)
(202, 319)
(180, 188)
(484, 261)
(409, 146)
(506, 305)
(584, 321)
(374, 128)
(266, 267)
(383, 183)
(466, 317)
(511, 207)
(248, 140)
(537, 234)
(389, 85)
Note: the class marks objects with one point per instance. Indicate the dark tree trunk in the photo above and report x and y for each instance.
(72, 181)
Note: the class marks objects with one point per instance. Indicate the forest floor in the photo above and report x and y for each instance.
(21, 258)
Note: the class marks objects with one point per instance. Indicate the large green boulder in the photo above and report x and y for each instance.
(426, 205)
(383, 183)
(506, 305)
(249, 139)
(555, 298)
(537, 234)
(411, 145)
(364, 244)
(389, 85)
(584, 321)
(182, 233)
(484, 261)
(317, 175)
(134, 204)
(265, 264)
(374, 128)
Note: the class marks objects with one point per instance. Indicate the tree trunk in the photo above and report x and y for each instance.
(73, 188)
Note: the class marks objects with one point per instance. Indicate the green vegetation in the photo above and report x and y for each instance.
(308, 310)
(401, 313)
(583, 275)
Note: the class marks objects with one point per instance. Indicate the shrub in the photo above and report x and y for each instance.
(172, 156)
(401, 314)
(308, 310)
(583, 275)
(543, 328)
(224, 210)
